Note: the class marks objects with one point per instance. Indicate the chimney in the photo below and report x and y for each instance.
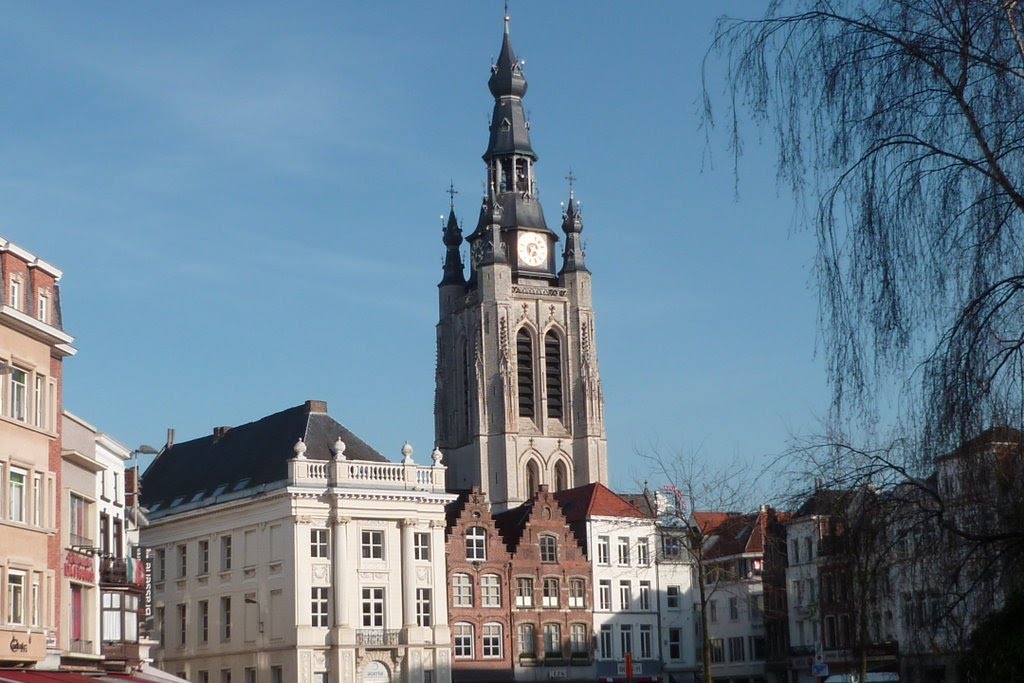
(219, 432)
(170, 437)
(316, 406)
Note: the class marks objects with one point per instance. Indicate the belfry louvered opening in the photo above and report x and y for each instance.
(524, 364)
(553, 374)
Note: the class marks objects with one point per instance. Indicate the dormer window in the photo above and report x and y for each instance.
(15, 292)
(43, 306)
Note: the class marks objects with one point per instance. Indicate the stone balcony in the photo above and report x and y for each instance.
(362, 474)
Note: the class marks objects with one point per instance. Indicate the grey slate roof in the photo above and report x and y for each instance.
(252, 455)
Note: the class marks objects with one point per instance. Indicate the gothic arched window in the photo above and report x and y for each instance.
(553, 374)
(532, 478)
(524, 364)
(561, 477)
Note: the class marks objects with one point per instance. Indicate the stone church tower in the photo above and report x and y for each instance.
(518, 396)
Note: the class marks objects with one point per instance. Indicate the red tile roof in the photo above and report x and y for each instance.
(595, 500)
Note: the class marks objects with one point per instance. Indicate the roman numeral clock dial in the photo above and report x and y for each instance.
(533, 249)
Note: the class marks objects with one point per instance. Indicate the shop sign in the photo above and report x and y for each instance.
(79, 567)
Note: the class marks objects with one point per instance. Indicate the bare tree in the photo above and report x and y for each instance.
(904, 122)
(695, 487)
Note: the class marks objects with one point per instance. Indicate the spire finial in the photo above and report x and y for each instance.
(451, 193)
(507, 17)
(572, 184)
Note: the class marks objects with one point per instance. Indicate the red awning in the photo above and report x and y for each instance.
(38, 676)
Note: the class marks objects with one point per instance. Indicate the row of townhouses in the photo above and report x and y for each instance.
(287, 550)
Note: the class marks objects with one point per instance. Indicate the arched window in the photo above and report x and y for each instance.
(524, 363)
(462, 641)
(476, 544)
(561, 477)
(553, 374)
(532, 478)
(491, 641)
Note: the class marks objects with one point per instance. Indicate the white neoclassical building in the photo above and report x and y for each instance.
(287, 550)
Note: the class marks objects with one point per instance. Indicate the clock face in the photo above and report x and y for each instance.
(533, 249)
(477, 252)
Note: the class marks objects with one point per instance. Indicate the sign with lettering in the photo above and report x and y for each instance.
(19, 644)
(79, 567)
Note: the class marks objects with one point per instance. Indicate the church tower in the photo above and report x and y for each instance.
(518, 398)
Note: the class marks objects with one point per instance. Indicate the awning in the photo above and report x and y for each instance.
(147, 674)
(872, 677)
(40, 676)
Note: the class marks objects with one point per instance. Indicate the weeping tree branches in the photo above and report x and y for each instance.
(903, 121)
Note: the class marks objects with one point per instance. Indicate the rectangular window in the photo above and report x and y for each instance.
(15, 597)
(490, 590)
(624, 595)
(19, 390)
(734, 609)
(225, 618)
(79, 518)
(421, 546)
(549, 596)
(712, 611)
(204, 558)
(204, 677)
(16, 495)
(717, 651)
(604, 594)
(204, 621)
(225, 676)
(476, 544)
(626, 638)
(548, 549)
(552, 640)
(578, 640)
(43, 308)
(318, 543)
(646, 641)
(250, 675)
(603, 550)
(159, 564)
(423, 607)
(37, 499)
(736, 652)
(577, 593)
(318, 606)
(16, 292)
(182, 561)
(524, 592)
(39, 402)
(463, 641)
(645, 595)
(757, 607)
(605, 642)
(276, 674)
(527, 640)
(675, 643)
(37, 600)
(462, 590)
(373, 607)
(672, 547)
(643, 552)
(182, 624)
(492, 641)
(225, 553)
(623, 550)
(373, 545)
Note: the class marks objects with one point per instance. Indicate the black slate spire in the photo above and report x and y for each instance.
(572, 225)
(452, 237)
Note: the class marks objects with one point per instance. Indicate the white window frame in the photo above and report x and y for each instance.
(604, 556)
(462, 641)
(623, 550)
(424, 602)
(490, 590)
(19, 393)
(421, 546)
(476, 544)
(319, 601)
(373, 607)
(491, 640)
(550, 588)
(318, 543)
(16, 488)
(577, 592)
(372, 545)
(462, 590)
(524, 591)
(16, 597)
(645, 595)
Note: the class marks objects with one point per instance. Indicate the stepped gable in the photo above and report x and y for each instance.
(543, 515)
(256, 454)
(473, 509)
(512, 522)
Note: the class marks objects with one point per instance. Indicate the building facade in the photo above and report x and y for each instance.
(288, 550)
(518, 393)
(33, 346)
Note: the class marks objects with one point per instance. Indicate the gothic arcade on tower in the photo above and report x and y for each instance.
(518, 393)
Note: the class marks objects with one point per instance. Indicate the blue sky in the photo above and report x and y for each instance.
(245, 201)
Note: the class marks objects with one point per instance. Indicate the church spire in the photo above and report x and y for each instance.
(572, 225)
(452, 238)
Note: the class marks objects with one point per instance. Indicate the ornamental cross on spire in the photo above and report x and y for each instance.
(451, 191)
(572, 183)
